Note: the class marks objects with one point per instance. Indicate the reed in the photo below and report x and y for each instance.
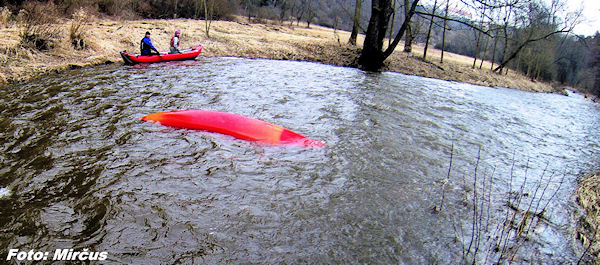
(492, 233)
(77, 29)
(588, 196)
(5, 16)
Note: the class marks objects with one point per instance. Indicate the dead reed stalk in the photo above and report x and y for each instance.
(516, 221)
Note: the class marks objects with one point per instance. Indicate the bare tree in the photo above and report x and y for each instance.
(310, 12)
(373, 55)
(283, 10)
(300, 11)
(393, 20)
(539, 23)
(496, 38)
(175, 9)
(248, 6)
(208, 14)
(479, 38)
(444, 31)
(409, 30)
(485, 49)
(429, 31)
(356, 23)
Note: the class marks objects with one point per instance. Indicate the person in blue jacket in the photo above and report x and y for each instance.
(146, 46)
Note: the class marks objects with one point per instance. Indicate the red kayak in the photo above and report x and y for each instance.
(188, 54)
(238, 126)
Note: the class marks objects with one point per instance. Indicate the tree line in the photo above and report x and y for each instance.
(530, 36)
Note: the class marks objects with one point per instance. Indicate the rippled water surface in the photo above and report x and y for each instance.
(78, 169)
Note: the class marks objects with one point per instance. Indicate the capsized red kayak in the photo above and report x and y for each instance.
(238, 126)
(188, 54)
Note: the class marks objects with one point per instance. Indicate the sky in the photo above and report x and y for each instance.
(591, 17)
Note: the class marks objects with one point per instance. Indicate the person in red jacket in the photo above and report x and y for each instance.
(175, 42)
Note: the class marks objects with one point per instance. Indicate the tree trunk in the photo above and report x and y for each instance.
(284, 8)
(476, 50)
(372, 56)
(175, 10)
(300, 14)
(402, 29)
(528, 73)
(538, 66)
(494, 51)
(356, 24)
(249, 13)
(310, 14)
(392, 26)
(409, 37)
(292, 13)
(505, 50)
(477, 46)
(596, 64)
(444, 33)
(429, 31)
(208, 13)
(485, 49)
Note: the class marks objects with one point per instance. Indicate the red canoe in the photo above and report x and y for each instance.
(188, 54)
(238, 126)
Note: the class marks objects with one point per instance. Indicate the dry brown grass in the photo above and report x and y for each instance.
(104, 39)
(588, 196)
(5, 16)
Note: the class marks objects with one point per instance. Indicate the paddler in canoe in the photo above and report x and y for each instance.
(146, 46)
(175, 42)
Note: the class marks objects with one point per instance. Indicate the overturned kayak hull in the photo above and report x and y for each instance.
(189, 54)
(238, 126)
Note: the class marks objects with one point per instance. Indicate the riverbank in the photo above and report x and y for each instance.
(588, 196)
(104, 38)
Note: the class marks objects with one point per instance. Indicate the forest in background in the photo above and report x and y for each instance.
(491, 30)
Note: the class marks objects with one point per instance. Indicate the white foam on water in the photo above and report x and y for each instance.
(4, 192)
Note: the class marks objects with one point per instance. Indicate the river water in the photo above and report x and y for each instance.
(79, 170)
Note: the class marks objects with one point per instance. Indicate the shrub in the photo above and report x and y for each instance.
(113, 7)
(222, 9)
(77, 29)
(5, 16)
(37, 32)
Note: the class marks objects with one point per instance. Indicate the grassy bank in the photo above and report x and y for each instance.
(104, 38)
(588, 196)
